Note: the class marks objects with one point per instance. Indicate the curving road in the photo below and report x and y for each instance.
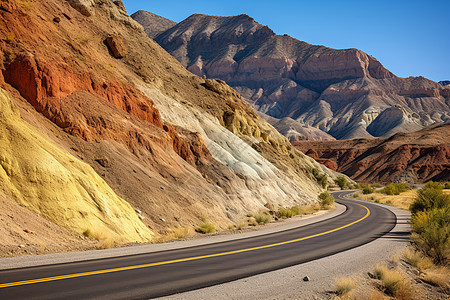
(163, 273)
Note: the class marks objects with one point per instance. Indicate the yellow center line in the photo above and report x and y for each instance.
(75, 275)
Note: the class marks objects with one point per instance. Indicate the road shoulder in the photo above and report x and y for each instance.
(58, 258)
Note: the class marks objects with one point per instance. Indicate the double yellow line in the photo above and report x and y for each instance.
(105, 271)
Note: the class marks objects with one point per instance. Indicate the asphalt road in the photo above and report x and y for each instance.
(159, 274)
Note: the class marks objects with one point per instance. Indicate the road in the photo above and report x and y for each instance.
(163, 273)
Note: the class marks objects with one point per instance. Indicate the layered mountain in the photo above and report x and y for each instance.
(344, 93)
(405, 157)
(106, 134)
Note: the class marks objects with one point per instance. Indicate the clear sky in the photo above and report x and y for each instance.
(410, 38)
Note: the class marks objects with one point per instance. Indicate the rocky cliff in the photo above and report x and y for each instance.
(170, 147)
(405, 157)
(343, 93)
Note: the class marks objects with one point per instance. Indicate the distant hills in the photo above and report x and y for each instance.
(343, 93)
(405, 157)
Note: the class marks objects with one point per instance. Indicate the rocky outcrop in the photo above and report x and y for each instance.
(83, 6)
(405, 157)
(340, 92)
(116, 46)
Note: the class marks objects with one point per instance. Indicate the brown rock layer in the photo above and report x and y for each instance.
(405, 157)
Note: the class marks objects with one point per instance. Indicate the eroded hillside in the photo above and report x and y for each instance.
(405, 157)
(177, 147)
(344, 93)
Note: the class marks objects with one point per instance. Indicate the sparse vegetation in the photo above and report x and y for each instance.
(395, 188)
(260, 218)
(431, 222)
(430, 197)
(285, 213)
(344, 285)
(87, 233)
(341, 182)
(393, 282)
(417, 259)
(320, 177)
(326, 200)
(367, 190)
(206, 228)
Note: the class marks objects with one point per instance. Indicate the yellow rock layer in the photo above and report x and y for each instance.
(48, 180)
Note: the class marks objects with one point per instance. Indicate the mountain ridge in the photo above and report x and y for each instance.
(340, 92)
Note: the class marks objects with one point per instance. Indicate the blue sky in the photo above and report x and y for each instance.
(410, 38)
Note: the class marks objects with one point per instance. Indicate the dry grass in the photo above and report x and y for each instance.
(402, 201)
(393, 282)
(344, 285)
(206, 228)
(417, 259)
(262, 218)
(438, 276)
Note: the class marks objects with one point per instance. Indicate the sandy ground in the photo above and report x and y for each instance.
(288, 283)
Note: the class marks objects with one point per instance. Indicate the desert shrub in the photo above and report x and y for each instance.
(344, 285)
(261, 218)
(358, 186)
(432, 233)
(320, 177)
(434, 185)
(87, 233)
(341, 182)
(206, 227)
(367, 190)
(429, 198)
(392, 281)
(326, 199)
(286, 213)
(417, 259)
(395, 188)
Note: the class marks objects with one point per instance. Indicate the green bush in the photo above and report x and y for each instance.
(261, 218)
(326, 199)
(395, 188)
(341, 182)
(206, 228)
(434, 185)
(286, 213)
(447, 185)
(432, 233)
(320, 177)
(429, 198)
(367, 190)
(431, 222)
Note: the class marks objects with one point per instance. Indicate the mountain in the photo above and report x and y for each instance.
(405, 157)
(106, 135)
(445, 82)
(344, 93)
(153, 24)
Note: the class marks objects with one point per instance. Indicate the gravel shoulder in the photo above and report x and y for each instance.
(288, 283)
